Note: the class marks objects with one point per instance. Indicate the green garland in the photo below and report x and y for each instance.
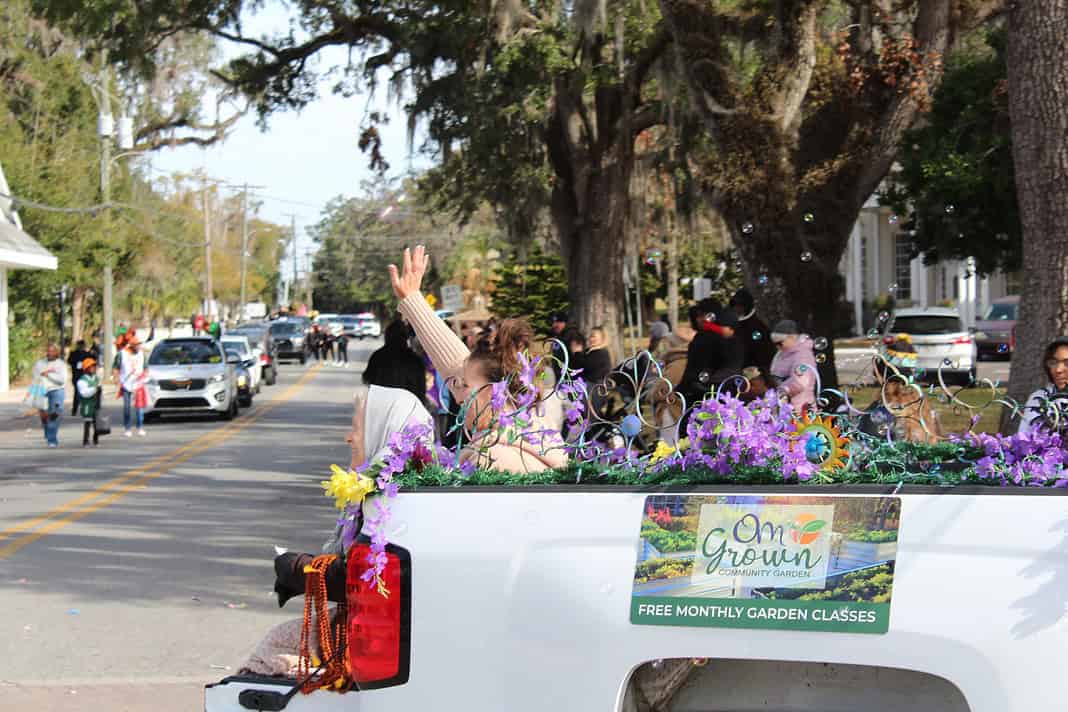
(944, 464)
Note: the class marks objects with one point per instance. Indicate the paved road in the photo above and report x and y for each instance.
(133, 574)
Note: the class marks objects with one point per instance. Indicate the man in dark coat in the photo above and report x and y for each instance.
(752, 333)
(715, 355)
(558, 352)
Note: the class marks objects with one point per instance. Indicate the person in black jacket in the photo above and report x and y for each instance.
(396, 365)
(752, 333)
(715, 355)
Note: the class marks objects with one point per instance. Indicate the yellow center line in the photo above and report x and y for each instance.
(140, 477)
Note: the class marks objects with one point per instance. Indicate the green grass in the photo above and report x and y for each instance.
(954, 418)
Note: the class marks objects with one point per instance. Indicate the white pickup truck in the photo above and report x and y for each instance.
(780, 598)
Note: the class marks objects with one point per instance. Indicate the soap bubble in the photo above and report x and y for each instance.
(1003, 348)
(809, 218)
(950, 208)
(806, 256)
(946, 362)
(710, 317)
(821, 343)
(747, 228)
(893, 219)
(653, 256)
(762, 280)
(704, 377)
(883, 316)
(758, 335)
(801, 369)
(873, 333)
(631, 426)
(892, 288)
(821, 358)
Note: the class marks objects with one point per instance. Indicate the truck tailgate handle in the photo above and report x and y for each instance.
(264, 700)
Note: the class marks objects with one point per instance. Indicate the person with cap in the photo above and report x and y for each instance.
(753, 333)
(131, 380)
(88, 389)
(794, 364)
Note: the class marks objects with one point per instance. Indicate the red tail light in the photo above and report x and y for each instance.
(962, 340)
(379, 627)
(888, 340)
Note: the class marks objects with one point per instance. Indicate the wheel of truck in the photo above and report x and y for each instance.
(231, 412)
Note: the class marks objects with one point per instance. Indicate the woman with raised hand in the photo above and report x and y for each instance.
(471, 375)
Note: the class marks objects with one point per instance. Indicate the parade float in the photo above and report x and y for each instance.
(733, 554)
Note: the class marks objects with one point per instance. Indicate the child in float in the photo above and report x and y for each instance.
(89, 400)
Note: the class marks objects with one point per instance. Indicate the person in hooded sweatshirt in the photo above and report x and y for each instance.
(794, 364)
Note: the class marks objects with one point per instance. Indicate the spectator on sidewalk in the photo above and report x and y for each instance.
(77, 356)
(51, 373)
(89, 391)
(131, 379)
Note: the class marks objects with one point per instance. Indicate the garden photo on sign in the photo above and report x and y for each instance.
(798, 562)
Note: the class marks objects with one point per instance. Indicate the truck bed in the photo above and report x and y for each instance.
(522, 601)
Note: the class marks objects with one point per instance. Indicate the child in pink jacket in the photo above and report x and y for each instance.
(794, 364)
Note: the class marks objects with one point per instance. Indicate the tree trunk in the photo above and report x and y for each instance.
(593, 253)
(77, 310)
(791, 268)
(1038, 110)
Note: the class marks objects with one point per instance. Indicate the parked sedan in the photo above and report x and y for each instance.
(192, 375)
(940, 339)
(996, 331)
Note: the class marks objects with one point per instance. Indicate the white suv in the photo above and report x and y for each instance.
(940, 340)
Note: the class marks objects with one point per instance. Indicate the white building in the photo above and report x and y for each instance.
(878, 256)
(17, 251)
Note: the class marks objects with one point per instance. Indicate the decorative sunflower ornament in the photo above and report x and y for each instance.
(824, 444)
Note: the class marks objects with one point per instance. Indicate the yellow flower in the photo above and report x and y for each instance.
(347, 487)
(663, 452)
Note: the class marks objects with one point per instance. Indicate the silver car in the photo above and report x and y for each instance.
(940, 340)
(191, 375)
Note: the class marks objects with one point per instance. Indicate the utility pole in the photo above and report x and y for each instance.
(104, 106)
(209, 287)
(293, 239)
(244, 246)
(308, 278)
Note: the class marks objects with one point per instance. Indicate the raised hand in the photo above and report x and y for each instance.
(410, 278)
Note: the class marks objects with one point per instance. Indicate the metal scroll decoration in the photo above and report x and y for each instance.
(637, 417)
